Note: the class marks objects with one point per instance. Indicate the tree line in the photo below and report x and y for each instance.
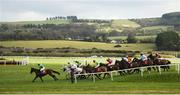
(62, 18)
(76, 20)
(50, 32)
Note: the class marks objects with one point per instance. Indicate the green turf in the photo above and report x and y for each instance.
(17, 79)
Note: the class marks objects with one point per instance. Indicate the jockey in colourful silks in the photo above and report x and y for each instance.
(42, 68)
(143, 58)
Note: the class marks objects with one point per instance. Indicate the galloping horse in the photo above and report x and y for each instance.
(40, 74)
(123, 64)
(77, 70)
(91, 69)
(162, 62)
(139, 63)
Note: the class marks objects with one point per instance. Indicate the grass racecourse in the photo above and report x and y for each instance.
(17, 79)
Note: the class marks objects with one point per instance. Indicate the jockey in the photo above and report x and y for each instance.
(129, 59)
(42, 68)
(97, 64)
(150, 56)
(125, 58)
(73, 66)
(157, 55)
(143, 58)
(110, 62)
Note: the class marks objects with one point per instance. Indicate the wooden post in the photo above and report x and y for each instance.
(94, 78)
(112, 76)
(159, 70)
(75, 78)
(142, 70)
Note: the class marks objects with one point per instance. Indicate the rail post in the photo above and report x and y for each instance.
(4, 63)
(116, 73)
(159, 68)
(178, 68)
(142, 70)
(75, 78)
(94, 78)
(111, 76)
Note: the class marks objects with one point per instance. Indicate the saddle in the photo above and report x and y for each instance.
(43, 72)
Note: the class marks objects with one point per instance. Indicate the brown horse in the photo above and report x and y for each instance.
(91, 69)
(162, 62)
(40, 74)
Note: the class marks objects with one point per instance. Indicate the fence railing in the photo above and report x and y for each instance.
(177, 68)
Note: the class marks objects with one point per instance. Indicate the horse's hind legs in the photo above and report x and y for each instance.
(54, 77)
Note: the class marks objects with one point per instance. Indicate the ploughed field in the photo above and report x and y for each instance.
(17, 79)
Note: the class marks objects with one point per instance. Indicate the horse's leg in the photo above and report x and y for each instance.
(41, 78)
(149, 69)
(97, 76)
(104, 75)
(53, 76)
(154, 68)
(35, 78)
(157, 69)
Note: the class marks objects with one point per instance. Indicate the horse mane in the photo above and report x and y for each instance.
(32, 68)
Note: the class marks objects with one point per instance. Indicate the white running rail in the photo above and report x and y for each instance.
(177, 68)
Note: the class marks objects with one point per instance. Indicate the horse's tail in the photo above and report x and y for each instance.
(56, 72)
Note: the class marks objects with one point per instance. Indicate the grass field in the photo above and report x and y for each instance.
(164, 28)
(17, 79)
(124, 23)
(125, 37)
(76, 44)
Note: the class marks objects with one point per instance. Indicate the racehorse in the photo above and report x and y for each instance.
(159, 61)
(162, 62)
(91, 69)
(139, 63)
(77, 70)
(123, 64)
(40, 74)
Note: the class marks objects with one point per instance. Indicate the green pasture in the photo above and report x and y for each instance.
(77, 44)
(163, 28)
(17, 79)
(125, 37)
(124, 23)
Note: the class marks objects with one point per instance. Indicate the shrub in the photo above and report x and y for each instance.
(167, 41)
(131, 38)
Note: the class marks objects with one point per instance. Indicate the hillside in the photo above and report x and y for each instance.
(39, 22)
(87, 29)
(124, 23)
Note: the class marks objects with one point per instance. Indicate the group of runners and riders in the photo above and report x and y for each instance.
(109, 63)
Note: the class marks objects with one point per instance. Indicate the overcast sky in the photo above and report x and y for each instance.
(23, 10)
